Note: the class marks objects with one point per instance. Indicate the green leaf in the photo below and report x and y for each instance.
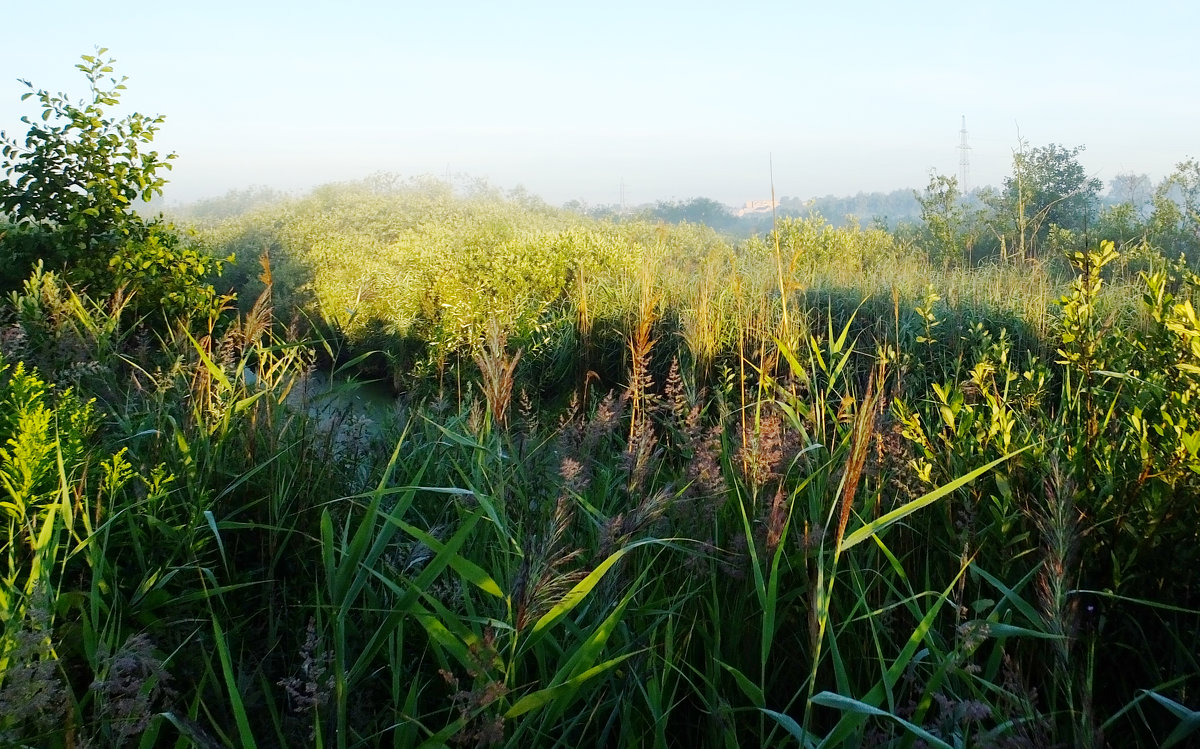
(576, 595)
(789, 724)
(213, 370)
(1189, 720)
(752, 691)
(233, 692)
(884, 521)
(1002, 629)
(467, 569)
(850, 705)
(542, 696)
(212, 524)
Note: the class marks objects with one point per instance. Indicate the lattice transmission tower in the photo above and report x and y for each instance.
(964, 159)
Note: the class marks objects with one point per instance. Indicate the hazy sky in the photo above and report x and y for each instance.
(675, 99)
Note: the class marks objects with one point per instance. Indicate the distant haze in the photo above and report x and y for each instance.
(670, 99)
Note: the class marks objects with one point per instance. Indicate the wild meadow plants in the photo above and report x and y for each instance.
(633, 485)
(787, 539)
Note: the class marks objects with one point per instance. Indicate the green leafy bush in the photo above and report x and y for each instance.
(69, 196)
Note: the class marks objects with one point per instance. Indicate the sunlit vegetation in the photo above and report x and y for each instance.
(423, 468)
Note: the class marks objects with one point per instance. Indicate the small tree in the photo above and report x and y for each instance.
(943, 215)
(1048, 188)
(69, 192)
(1175, 222)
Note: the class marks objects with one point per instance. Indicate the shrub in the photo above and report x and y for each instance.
(69, 194)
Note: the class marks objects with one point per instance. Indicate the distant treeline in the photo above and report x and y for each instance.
(888, 209)
(1049, 204)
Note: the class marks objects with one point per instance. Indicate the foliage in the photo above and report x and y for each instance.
(942, 213)
(697, 211)
(1175, 221)
(891, 208)
(79, 173)
(1049, 187)
(70, 192)
(166, 276)
(644, 487)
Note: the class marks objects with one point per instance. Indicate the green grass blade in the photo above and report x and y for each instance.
(1010, 594)
(245, 735)
(543, 696)
(787, 723)
(212, 525)
(894, 672)
(1189, 720)
(886, 520)
(467, 569)
(752, 691)
(586, 654)
(214, 371)
(850, 705)
(407, 599)
(1139, 601)
(576, 595)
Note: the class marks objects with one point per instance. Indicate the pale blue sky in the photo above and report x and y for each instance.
(676, 99)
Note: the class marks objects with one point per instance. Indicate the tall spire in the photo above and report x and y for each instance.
(964, 159)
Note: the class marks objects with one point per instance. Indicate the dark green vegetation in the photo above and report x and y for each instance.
(639, 485)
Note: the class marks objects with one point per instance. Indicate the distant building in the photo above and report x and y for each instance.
(756, 206)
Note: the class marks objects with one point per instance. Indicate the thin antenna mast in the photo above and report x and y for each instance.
(964, 159)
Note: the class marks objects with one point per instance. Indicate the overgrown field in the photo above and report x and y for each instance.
(615, 483)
